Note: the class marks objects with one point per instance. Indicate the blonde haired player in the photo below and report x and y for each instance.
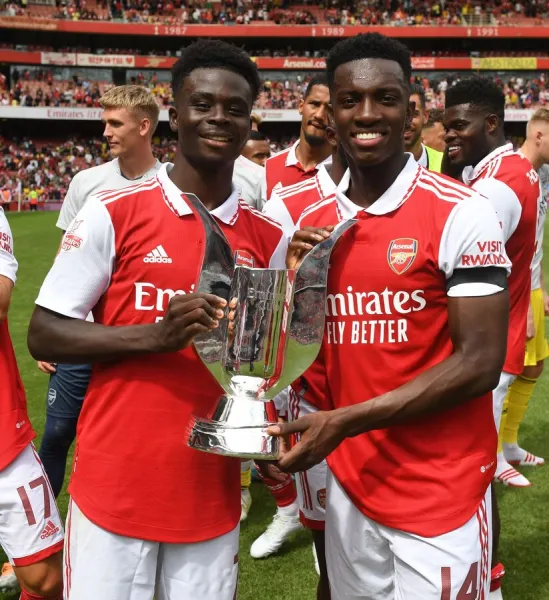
(536, 150)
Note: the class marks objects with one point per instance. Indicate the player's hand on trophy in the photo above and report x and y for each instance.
(189, 315)
(303, 242)
(231, 317)
(321, 433)
(269, 469)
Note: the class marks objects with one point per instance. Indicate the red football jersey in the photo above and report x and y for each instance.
(15, 426)
(284, 169)
(386, 323)
(287, 204)
(511, 183)
(126, 255)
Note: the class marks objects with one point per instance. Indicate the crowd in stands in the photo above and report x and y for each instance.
(37, 86)
(307, 12)
(287, 51)
(48, 166)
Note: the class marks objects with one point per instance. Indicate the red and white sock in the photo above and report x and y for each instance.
(284, 494)
(498, 571)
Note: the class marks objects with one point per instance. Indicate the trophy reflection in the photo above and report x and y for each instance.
(274, 337)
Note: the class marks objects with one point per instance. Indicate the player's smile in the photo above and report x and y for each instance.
(370, 109)
(464, 135)
(213, 115)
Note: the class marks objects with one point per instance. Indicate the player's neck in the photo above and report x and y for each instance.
(136, 164)
(368, 184)
(310, 156)
(211, 185)
(338, 168)
(416, 150)
(530, 152)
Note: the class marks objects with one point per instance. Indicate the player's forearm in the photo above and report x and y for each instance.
(53, 338)
(450, 383)
(6, 287)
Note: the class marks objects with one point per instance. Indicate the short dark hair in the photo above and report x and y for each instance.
(368, 45)
(319, 79)
(481, 92)
(215, 54)
(257, 136)
(418, 90)
(436, 115)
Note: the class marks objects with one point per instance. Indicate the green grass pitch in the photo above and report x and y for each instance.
(290, 574)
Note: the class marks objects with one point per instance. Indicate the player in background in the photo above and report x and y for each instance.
(474, 123)
(300, 161)
(133, 520)
(433, 131)
(287, 204)
(427, 157)
(31, 530)
(130, 117)
(249, 169)
(536, 150)
(414, 343)
(257, 148)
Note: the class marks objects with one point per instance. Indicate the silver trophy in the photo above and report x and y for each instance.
(276, 336)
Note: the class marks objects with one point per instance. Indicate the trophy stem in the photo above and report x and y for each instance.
(237, 428)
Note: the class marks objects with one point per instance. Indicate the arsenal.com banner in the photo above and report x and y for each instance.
(94, 114)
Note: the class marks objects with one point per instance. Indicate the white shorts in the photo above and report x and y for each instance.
(369, 561)
(31, 528)
(310, 484)
(499, 394)
(101, 564)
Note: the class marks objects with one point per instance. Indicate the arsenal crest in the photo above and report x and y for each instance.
(401, 254)
(321, 497)
(243, 258)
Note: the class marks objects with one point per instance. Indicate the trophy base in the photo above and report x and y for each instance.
(237, 428)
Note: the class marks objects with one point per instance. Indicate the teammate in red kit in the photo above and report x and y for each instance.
(413, 347)
(31, 531)
(288, 203)
(474, 119)
(300, 161)
(139, 523)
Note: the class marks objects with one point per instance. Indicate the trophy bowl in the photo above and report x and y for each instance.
(275, 335)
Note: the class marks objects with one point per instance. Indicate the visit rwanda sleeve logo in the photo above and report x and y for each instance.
(401, 254)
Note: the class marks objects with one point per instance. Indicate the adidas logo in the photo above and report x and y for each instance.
(158, 255)
(49, 530)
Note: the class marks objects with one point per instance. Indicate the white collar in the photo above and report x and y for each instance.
(389, 201)
(291, 157)
(423, 160)
(471, 173)
(325, 182)
(226, 212)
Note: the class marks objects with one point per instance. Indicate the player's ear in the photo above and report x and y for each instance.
(300, 106)
(172, 117)
(491, 123)
(426, 114)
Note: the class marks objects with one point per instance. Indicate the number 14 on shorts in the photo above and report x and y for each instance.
(469, 589)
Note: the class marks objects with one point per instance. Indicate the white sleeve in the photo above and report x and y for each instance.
(71, 205)
(278, 258)
(472, 238)
(276, 209)
(505, 202)
(8, 264)
(281, 402)
(82, 270)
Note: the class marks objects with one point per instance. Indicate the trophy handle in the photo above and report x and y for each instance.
(306, 328)
(216, 276)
